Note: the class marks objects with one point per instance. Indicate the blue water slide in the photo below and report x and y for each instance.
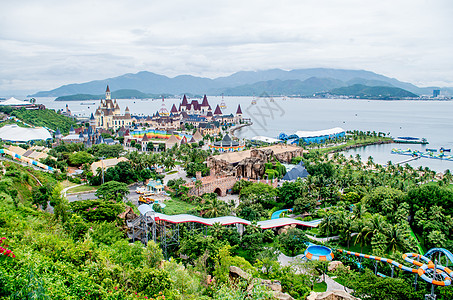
(444, 251)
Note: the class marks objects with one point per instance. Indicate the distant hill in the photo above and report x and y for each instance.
(240, 83)
(119, 94)
(380, 92)
(288, 87)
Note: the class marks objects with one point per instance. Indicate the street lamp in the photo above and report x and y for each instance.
(102, 162)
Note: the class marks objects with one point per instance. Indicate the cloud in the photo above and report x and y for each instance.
(44, 44)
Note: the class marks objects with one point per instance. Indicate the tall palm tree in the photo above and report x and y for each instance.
(214, 208)
(397, 238)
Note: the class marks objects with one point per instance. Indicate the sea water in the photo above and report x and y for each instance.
(432, 120)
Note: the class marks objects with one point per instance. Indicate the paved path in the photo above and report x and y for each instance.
(63, 192)
(332, 285)
(323, 240)
(179, 174)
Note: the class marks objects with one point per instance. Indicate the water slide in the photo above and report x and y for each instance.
(26, 160)
(423, 263)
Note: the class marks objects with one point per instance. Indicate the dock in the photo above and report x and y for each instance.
(415, 154)
(408, 160)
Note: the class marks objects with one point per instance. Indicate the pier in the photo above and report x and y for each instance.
(408, 160)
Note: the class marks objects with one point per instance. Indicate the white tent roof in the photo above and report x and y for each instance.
(227, 220)
(331, 131)
(265, 139)
(13, 101)
(15, 133)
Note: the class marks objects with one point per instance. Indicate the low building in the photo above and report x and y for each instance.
(16, 134)
(106, 163)
(155, 186)
(227, 145)
(309, 137)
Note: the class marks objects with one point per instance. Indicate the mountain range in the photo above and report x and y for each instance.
(302, 82)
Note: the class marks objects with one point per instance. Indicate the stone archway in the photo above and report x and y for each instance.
(218, 191)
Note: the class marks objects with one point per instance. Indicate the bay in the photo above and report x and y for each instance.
(432, 120)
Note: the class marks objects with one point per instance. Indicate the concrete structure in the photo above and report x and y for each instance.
(106, 163)
(251, 163)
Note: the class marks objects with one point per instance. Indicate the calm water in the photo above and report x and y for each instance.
(432, 120)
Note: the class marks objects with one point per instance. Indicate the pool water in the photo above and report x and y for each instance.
(318, 250)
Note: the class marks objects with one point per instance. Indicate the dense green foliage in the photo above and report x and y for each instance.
(45, 117)
(380, 92)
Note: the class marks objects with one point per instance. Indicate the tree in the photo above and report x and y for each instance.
(305, 204)
(80, 158)
(214, 208)
(112, 190)
(292, 242)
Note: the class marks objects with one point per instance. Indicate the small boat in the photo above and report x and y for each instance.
(254, 100)
(87, 103)
(444, 150)
(431, 150)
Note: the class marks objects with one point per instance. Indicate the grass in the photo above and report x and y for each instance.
(320, 287)
(366, 249)
(83, 188)
(367, 141)
(66, 183)
(419, 246)
(172, 172)
(176, 206)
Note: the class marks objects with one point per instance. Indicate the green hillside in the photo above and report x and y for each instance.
(119, 94)
(364, 91)
(44, 118)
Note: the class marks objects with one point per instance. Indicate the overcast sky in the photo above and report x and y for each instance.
(45, 44)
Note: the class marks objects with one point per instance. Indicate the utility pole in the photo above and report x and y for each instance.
(102, 161)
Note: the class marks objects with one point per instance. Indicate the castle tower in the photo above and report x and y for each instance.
(92, 121)
(108, 96)
(58, 134)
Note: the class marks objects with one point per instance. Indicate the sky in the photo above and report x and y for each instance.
(45, 44)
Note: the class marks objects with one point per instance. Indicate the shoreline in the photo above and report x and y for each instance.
(359, 146)
(233, 129)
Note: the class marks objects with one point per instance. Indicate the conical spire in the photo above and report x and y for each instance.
(174, 109)
(184, 101)
(205, 101)
(217, 110)
(239, 110)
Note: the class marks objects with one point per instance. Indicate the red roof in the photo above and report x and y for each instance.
(205, 101)
(173, 109)
(239, 111)
(217, 110)
(184, 101)
(195, 105)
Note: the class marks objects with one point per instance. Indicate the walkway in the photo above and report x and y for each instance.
(332, 285)
(63, 192)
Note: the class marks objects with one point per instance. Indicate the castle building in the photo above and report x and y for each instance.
(108, 114)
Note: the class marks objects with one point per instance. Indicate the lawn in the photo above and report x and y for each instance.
(176, 206)
(320, 287)
(83, 188)
(66, 183)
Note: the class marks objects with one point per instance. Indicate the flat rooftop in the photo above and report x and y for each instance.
(235, 157)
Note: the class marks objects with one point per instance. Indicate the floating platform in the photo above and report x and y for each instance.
(410, 140)
(428, 154)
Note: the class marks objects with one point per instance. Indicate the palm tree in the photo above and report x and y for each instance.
(214, 208)
(198, 185)
(397, 238)
(362, 229)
